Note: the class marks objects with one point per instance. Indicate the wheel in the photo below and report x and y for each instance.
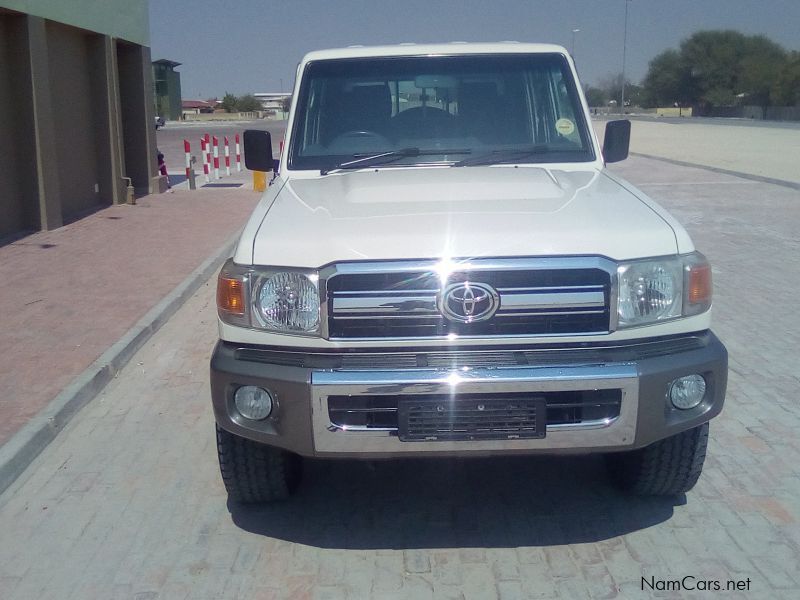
(254, 472)
(668, 467)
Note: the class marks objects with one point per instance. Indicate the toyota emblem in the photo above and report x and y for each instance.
(467, 302)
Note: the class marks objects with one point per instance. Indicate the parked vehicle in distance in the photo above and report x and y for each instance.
(160, 122)
(443, 266)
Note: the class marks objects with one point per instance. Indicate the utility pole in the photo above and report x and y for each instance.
(572, 50)
(624, 50)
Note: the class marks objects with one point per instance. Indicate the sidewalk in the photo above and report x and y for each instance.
(70, 294)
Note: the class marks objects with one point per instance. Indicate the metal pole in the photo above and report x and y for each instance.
(624, 50)
(572, 51)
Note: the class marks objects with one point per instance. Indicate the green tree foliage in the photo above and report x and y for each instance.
(667, 81)
(596, 96)
(248, 103)
(786, 89)
(229, 102)
(718, 68)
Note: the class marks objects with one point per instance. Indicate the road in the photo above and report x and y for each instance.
(760, 149)
(128, 503)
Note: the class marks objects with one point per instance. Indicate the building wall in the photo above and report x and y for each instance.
(11, 212)
(174, 85)
(71, 76)
(124, 19)
(136, 112)
(77, 121)
(19, 209)
(167, 82)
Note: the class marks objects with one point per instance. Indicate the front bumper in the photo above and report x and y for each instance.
(302, 384)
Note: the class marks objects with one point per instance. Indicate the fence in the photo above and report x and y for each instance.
(223, 116)
(210, 154)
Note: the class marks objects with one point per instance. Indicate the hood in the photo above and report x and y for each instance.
(464, 212)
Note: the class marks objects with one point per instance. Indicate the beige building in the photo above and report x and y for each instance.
(76, 109)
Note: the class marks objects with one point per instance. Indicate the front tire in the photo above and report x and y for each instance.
(256, 473)
(668, 467)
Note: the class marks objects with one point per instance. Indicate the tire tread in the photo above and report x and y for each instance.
(253, 472)
(668, 467)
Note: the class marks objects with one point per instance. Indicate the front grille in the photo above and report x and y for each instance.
(378, 412)
(456, 359)
(533, 301)
(472, 417)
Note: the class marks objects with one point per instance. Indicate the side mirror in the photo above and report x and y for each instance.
(258, 150)
(617, 141)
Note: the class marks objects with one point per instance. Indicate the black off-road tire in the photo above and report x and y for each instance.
(668, 467)
(256, 473)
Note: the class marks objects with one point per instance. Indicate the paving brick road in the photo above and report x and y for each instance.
(127, 502)
(70, 293)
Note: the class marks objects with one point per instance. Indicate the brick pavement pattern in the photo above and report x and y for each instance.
(127, 502)
(70, 293)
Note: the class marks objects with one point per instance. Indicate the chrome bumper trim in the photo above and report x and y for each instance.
(595, 434)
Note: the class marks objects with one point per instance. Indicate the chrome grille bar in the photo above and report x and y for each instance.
(560, 296)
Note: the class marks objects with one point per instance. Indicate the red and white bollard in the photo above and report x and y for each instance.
(204, 152)
(216, 157)
(188, 151)
(208, 152)
(227, 157)
(238, 155)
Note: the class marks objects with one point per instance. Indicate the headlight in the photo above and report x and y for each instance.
(659, 289)
(283, 301)
(288, 301)
(649, 291)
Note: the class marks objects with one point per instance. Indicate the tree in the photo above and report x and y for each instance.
(667, 81)
(786, 88)
(596, 96)
(717, 68)
(248, 103)
(761, 66)
(229, 102)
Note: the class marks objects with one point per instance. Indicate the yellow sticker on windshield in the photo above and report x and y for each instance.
(565, 127)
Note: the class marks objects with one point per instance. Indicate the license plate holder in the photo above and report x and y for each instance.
(447, 418)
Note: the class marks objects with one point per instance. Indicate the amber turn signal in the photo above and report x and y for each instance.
(230, 295)
(700, 285)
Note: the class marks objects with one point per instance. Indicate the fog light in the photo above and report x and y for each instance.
(687, 392)
(253, 403)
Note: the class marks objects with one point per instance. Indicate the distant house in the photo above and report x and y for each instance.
(167, 87)
(273, 102)
(196, 107)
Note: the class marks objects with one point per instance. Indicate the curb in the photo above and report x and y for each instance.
(25, 445)
(759, 178)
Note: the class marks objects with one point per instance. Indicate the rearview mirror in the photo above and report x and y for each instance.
(617, 141)
(258, 150)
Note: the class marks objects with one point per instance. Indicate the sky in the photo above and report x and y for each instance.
(243, 46)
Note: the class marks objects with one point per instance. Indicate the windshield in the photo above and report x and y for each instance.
(494, 108)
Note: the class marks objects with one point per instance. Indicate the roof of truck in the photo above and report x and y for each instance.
(411, 49)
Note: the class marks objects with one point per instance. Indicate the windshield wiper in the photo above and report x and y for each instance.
(391, 156)
(505, 155)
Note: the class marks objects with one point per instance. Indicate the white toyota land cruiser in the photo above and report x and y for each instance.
(443, 266)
